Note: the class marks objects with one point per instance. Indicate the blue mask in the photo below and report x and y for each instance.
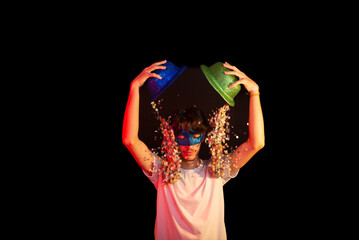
(188, 138)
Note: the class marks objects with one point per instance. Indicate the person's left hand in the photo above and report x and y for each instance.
(248, 83)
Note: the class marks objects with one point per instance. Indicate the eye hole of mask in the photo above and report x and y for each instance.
(195, 136)
(181, 137)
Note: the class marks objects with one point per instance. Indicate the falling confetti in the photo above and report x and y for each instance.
(171, 162)
(216, 140)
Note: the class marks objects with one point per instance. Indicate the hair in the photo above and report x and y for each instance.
(194, 120)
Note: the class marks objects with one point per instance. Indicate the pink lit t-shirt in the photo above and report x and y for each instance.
(192, 207)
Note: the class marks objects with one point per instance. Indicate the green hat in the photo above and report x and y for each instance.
(220, 81)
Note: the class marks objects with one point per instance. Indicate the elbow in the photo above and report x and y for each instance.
(127, 142)
(258, 146)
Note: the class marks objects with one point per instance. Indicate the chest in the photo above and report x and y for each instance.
(196, 187)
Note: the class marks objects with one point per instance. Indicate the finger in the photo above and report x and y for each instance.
(154, 75)
(235, 84)
(227, 65)
(235, 73)
(159, 63)
(154, 67)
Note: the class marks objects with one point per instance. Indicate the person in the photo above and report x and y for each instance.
(193, 206)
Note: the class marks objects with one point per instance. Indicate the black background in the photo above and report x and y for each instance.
(264, 195)
(102, 189)
(268, 195)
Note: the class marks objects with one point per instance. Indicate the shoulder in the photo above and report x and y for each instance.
(153, 173)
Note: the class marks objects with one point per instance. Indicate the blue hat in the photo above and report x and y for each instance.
(157, 86)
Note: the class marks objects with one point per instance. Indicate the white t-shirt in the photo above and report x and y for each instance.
(192, 207)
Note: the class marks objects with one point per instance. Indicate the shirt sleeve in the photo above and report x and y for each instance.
(154, 175)
(227, 172)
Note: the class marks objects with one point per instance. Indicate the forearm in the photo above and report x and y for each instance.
(138, 149)
(256, 124)
(255, 142)
(131, 118)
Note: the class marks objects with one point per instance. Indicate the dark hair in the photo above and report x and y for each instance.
(194, 119)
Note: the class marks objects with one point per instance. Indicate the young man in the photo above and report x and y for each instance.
(193, 206)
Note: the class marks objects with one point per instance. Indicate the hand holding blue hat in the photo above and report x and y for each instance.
(148, 72)
(156, 86)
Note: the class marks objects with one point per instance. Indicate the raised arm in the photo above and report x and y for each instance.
(255, 142)
(138, 149)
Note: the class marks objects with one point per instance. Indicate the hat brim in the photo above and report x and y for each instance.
(155, 96)
(211, 79)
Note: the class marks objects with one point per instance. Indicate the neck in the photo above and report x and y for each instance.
(190, 164)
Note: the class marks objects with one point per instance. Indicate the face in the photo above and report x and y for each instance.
(189, 153)
(189, 144)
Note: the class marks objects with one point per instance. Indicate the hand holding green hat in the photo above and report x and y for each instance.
(220, 81)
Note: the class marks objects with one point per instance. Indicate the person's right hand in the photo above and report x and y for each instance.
(147, 72)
